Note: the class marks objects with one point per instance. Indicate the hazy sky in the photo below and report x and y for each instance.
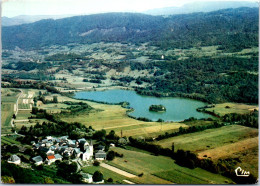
(11, 8)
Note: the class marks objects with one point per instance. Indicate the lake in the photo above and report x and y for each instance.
(177, 109)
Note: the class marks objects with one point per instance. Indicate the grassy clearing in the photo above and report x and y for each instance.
(238, 108)
(154, 169)
(209, 139)
(117, 178)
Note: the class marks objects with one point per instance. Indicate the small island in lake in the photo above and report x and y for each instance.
(157, 108)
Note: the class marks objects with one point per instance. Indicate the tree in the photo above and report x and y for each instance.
(55, 99)
(14, 116)
(111, 134)
(97, 176)
(110, 155)
(110, 180)
(172, 146)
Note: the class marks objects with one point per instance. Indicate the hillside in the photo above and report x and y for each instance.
(234, 29)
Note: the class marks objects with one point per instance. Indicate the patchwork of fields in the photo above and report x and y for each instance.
(155, 169)
(234, 141)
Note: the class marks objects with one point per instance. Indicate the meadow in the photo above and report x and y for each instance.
(227, 108)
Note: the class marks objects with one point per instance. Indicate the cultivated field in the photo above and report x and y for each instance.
(162, 169)
(239, 108)
(209, 139)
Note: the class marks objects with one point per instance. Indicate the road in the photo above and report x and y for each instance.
(17, 108)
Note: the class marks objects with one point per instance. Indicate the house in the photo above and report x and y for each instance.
(77, 152)
(101, 147)
(100, 155)
(71, 143)
(49, 137)
(68, 152)
(87, 178)
(37, 160)
(112, 145)
(83, 144)
(50, 159)
(14, 159)
(58, 157)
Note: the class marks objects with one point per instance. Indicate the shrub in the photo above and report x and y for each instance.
(96, 163)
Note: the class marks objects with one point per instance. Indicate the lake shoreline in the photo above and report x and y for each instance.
(179, 108)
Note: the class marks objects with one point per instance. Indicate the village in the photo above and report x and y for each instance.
(54, 149)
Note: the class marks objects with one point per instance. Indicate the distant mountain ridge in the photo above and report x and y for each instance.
(185, 9)
(201, 7)
(231, 28)
(24, 19)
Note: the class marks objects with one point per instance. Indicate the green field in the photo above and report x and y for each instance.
(159, 168)
(8, 98)
(23, 114)
(209, 139)
(239, 108)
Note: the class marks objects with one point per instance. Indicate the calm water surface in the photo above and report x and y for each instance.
(177, 109)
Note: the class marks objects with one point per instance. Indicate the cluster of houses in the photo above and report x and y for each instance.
(59, 148)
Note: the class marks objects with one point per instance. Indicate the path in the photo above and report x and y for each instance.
(22, 120)
(17, 108)
(118, 171)
(127, 181)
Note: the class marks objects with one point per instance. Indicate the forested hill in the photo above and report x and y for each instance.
(234, 29)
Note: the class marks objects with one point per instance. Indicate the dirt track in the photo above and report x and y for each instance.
(118, 171)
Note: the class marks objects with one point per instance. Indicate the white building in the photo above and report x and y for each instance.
(37, 160)
(14, 159)
(87, 178)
